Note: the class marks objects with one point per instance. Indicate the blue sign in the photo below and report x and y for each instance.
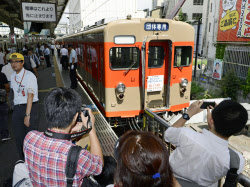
(152, 26)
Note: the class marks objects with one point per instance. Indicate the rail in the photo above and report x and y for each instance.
(153, 123)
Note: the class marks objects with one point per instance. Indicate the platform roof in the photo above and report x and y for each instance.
(10, 12)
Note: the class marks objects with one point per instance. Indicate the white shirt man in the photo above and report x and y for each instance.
(25, 112)
(205, 152)
(73, 65)
(23, 83)
(64, 52)
(52, 46)
(73, 55)
(204, 157)
(64, 58)
(47, 51)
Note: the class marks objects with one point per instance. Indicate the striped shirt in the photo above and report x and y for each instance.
(46, 160)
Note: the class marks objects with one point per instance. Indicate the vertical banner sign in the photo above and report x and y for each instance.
(244, 26)
(26, 38)
(155, 83)
(12, 37)
(39, 12)
(234, 21)
(217, 70)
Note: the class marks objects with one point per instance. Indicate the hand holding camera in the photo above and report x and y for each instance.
(85, 120)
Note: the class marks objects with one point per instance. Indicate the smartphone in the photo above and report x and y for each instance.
(206, 104)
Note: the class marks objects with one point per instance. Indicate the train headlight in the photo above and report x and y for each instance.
(184, 82)
(120, 88)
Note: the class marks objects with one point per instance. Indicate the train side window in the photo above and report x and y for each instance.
(155, 56)
(124, 57)
(182, 56)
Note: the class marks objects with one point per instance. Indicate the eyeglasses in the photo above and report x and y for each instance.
(12, 62)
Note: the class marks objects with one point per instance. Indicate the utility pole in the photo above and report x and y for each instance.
(197, 45)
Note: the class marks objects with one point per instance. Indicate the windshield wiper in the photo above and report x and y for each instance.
(130, 67)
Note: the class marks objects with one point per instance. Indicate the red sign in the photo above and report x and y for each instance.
(26, 38)
(12, 38)
(234, 21)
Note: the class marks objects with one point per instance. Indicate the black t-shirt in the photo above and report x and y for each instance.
(3, 80)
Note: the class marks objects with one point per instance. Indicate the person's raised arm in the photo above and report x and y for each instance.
(193, 109)
(95, 147)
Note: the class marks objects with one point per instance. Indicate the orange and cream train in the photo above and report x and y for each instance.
(130, 65)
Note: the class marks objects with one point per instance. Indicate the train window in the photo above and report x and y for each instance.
(182, 56)
(155, 56)
(124, 57)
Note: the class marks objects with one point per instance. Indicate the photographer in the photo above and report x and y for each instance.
(46, 156)
(204, 157)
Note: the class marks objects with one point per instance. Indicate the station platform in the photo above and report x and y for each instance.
(48, 79)
(105, 133)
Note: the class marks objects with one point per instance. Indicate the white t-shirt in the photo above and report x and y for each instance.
(73, 55)
(47, 51)
(27, 85)
(200, 157)
(8, 71)
(64, 52)
(1, 57)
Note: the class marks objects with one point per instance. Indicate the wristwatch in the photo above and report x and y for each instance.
(27, 114)
(185, 116)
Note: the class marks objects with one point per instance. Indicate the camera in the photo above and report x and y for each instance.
(86, 114)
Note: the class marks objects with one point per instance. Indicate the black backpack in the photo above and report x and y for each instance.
(71, 166)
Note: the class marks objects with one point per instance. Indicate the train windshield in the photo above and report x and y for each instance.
(123, 57)
(182, 56)
(155, 56)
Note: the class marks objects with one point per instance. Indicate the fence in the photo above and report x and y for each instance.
(237, 58)
(153, 123)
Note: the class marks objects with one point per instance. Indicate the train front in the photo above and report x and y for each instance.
(148, 64)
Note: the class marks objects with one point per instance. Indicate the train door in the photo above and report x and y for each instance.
(157, 70)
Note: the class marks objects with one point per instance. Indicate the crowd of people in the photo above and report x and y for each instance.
(140, 158)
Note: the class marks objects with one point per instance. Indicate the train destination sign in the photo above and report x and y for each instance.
(155, 83)
(39, 12)
(152, 26)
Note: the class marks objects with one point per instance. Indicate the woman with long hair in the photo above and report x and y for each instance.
(142, 160)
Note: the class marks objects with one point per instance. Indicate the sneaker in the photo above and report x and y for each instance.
(5, 135)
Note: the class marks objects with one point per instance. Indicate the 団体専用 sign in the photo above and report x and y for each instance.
(155, 83)
(39, 12)
(153, 26)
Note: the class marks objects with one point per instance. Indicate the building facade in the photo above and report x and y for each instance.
(193, 9)
(88, 12)
(226, 27)
(210, 28)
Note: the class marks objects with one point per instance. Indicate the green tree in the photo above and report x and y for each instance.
(230, 84)
(246, 87)
(182, 16)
